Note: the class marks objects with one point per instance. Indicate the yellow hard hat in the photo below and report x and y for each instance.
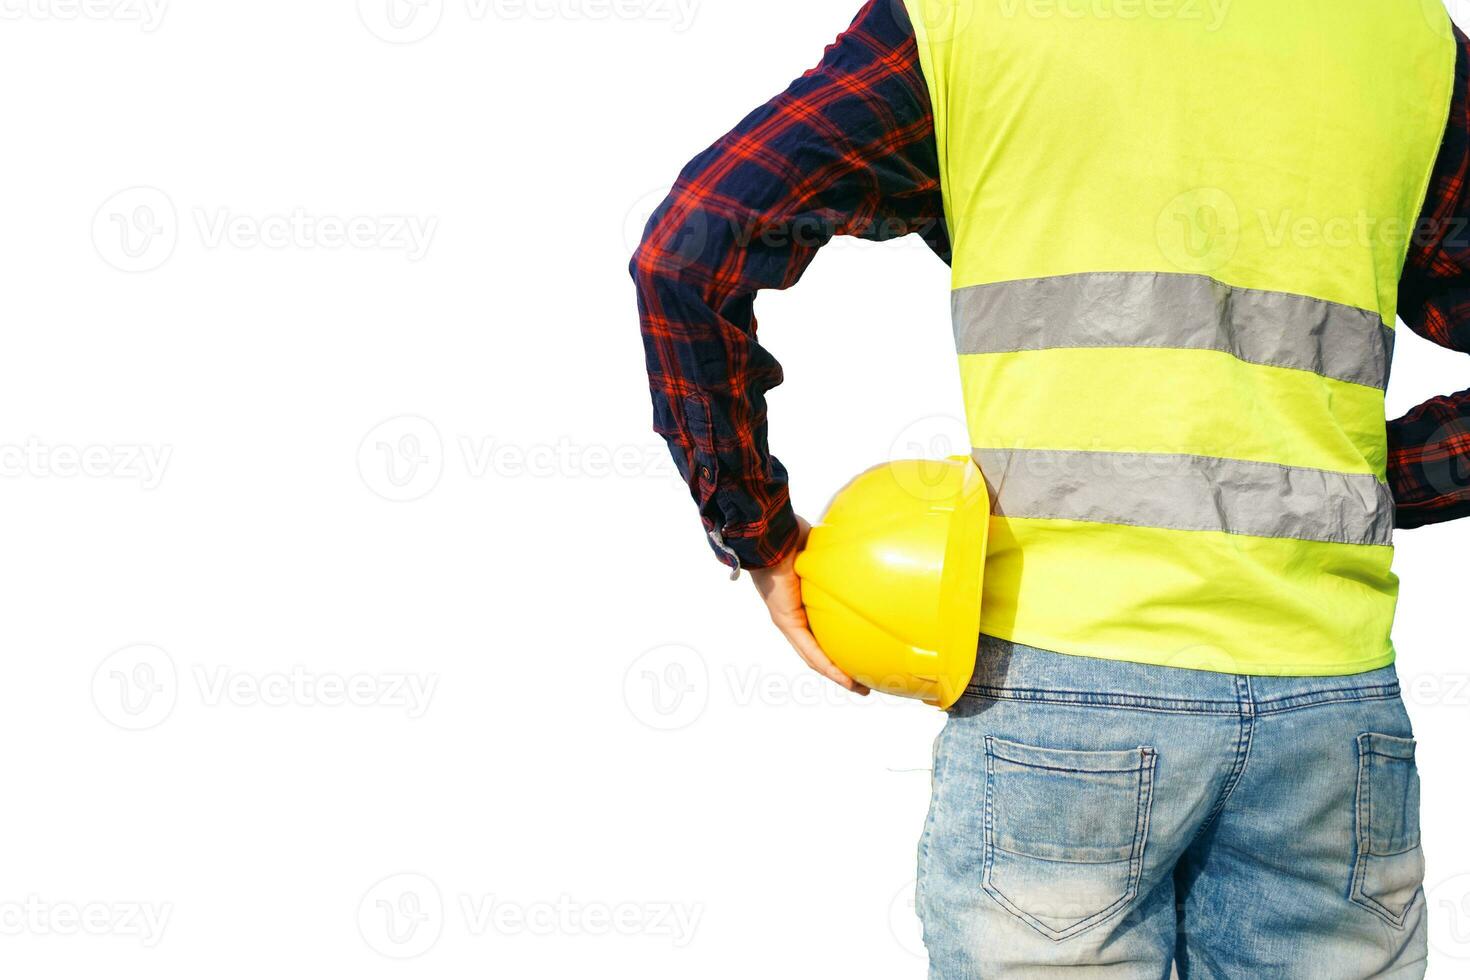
(892, 576)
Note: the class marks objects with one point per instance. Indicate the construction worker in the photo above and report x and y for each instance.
(1180, 237)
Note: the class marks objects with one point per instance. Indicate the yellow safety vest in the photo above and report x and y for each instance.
(1178, 230)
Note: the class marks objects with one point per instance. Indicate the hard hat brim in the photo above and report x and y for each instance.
(893, 575)
(962, 587)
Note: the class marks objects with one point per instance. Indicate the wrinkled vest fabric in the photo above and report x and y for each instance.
(1178, 229)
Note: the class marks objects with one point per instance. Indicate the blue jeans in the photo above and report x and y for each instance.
(1117, 819)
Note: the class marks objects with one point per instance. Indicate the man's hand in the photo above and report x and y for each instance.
(780, 587)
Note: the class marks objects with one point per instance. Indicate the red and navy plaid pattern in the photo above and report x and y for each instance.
(849, 149)
(1429, 449)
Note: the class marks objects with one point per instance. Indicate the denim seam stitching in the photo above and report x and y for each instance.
(1055, 860)
(936, 784)
(1161, 706)
(1043, 768)
(1391, 685)
(1327, 702)
(1333, 695)
(1361, 804)
(1145, 812)
(989, 818)
(1364, 837)
(1244, 739)
(1180, 706)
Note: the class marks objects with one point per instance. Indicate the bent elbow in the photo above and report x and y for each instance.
(676, 240)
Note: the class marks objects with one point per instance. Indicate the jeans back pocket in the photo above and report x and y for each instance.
(1389, 868)
(1065, 832)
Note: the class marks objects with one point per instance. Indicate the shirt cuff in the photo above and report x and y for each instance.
(1429, 462)
(761, 545)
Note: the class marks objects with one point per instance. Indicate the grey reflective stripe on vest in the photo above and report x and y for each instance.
(1189, 493)
(1174, 310)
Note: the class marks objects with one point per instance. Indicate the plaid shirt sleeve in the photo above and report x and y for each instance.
(1429, 448)
(847, 149)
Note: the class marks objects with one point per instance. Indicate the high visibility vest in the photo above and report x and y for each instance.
(1178, 229)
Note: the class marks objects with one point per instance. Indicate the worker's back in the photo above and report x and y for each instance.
(1178, 230)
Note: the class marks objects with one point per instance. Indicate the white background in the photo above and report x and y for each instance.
(356, 623)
